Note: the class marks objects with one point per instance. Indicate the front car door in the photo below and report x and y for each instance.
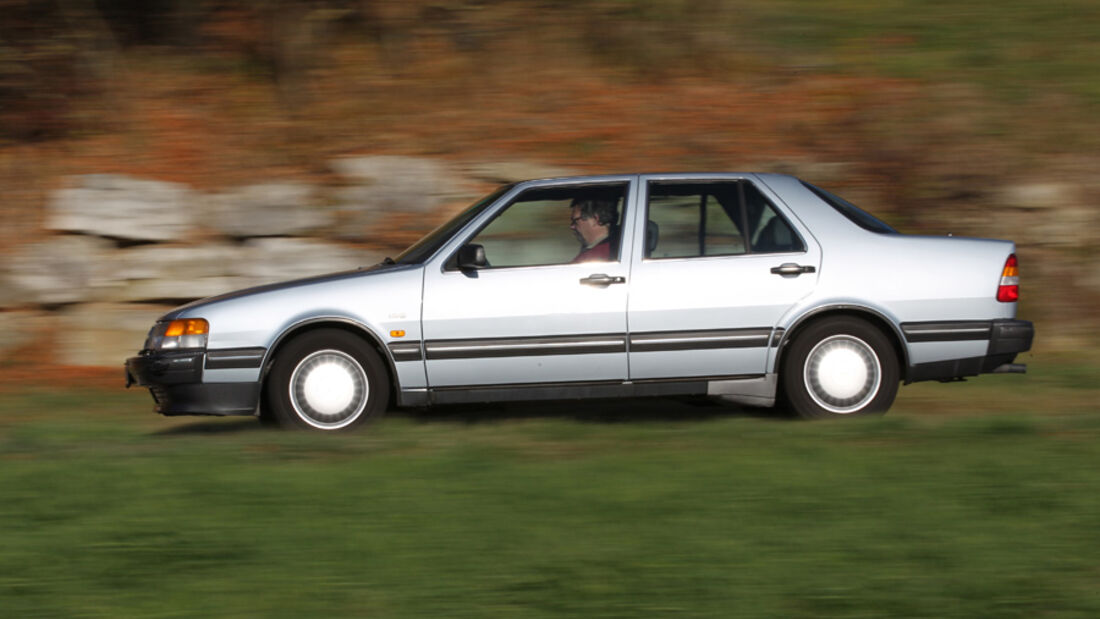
(720, 266)
(528, 314)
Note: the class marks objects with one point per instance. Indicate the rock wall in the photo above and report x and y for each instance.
(122, 251)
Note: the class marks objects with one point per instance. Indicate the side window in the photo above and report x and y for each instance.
(557, 225)
(694, 219)
(731, 218)
(771, 233)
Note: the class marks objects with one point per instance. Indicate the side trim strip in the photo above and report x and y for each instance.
(699, 340)
(777, 337)
(234, 358)
(405, 351)
(525, 346)
(956, 331)
(710, 378)
(655, 341)
(522, 386)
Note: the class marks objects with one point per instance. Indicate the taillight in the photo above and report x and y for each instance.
(1009, 289)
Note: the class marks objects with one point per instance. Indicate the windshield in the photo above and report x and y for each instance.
(427, 246)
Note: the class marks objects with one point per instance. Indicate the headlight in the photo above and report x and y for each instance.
(178, 334)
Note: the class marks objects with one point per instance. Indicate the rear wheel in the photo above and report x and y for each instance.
(327, 380)
(840, 366)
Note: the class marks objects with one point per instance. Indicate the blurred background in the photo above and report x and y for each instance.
(156, 151)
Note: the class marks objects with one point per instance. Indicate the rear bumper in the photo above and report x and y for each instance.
(1011, 337)
(174, 379)
(1007, 338)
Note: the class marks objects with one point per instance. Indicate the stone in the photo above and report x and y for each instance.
(1039, 196)
(1070, 227)
(271, 209)
(1089, 279)
(402, 184)
(513, 171)
(386, 185)
(11, 294)
(358, 214)
(104, 334)
(171, 272)
(122, 207)
(61, 270)
(21, 328)
(278, 259)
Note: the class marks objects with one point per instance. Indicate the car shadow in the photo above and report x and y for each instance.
(214, 425)
(619, 410)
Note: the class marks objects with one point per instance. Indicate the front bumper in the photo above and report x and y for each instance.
(174, 378)
(1007, 338)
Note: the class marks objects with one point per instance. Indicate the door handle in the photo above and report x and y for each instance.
(790, 268)
(602, 279)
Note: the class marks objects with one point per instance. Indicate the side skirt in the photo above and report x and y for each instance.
(751, 391)
(752, 387)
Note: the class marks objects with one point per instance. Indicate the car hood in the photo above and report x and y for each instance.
(377, 269)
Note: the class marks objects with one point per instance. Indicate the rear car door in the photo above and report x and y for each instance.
(720, 264)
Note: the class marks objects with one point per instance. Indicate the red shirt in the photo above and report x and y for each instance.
(600, 252)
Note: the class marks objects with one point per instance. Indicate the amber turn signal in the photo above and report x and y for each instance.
(190, 326)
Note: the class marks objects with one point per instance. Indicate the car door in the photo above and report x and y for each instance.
(721, 264)
(507, 306)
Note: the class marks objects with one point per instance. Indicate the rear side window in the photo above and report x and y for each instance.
(856, 215)
(695, 220)
(721, 218)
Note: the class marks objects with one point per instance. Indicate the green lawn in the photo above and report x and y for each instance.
(971, 499)
(1018, 48)
(1023, 51)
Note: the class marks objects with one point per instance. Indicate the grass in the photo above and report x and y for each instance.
(1017, 48)
(1022, 51)
(942, 508)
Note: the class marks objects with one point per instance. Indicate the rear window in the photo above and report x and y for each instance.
(858, 216)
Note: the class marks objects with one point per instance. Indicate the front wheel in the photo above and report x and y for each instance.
(327, 380)
(840, 366)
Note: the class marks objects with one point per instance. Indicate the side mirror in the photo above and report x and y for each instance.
(472, 256)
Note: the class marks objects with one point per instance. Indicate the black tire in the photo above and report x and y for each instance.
(839, 367)
(327, 380)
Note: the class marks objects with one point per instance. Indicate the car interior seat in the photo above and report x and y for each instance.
(775, 237)
(652, 233)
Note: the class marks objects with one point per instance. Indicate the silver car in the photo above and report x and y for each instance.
(754, 288)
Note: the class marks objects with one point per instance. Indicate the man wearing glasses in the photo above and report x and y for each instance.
(594, 222)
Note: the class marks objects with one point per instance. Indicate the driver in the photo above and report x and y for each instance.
(593, 221)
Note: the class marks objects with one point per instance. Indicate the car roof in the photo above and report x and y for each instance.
(650, 175)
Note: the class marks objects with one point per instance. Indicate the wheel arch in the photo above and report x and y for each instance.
(343, 324)
(877, 319)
